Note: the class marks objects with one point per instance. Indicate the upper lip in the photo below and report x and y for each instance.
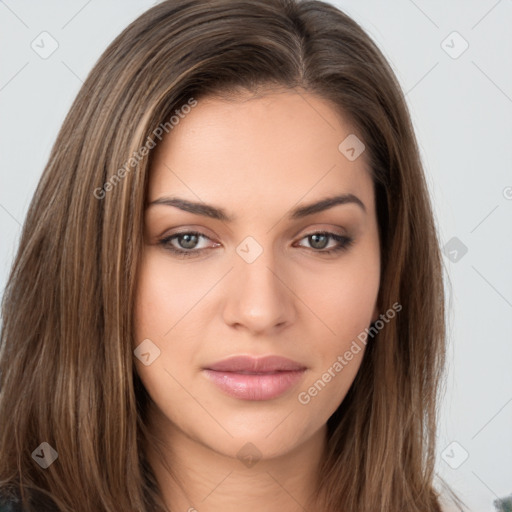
(265, 364)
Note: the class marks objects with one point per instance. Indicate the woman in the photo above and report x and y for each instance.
(228, 289)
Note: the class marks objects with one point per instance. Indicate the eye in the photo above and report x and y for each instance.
(319, 240)
(187, 242)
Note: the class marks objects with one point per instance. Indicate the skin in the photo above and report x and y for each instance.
(257, 158)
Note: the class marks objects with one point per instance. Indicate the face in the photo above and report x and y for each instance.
(258, 275)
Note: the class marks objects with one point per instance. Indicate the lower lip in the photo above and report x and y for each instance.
(264, 386)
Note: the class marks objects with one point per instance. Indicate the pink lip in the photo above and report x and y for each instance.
(250, 378)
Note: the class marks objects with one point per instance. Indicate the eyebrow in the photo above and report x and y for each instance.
(220, 214)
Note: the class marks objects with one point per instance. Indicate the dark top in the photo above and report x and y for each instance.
(10, 506)
(41, 504)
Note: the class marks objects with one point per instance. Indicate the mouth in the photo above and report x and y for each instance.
(250, 378)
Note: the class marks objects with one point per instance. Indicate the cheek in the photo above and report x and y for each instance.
(347, 309)
(157, 310)
(164, 296)
(344, 297)
(149, 302)
(348, 304)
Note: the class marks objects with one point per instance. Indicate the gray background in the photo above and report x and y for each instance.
(461, 105)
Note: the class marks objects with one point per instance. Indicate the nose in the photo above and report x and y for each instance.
(258, 297)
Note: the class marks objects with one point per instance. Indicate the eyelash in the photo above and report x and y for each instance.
(344, 243)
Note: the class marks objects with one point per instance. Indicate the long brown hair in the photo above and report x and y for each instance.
(67, 374)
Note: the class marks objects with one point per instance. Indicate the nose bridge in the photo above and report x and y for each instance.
(258, 298)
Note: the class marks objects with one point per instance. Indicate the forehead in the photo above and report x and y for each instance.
(278, 147)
